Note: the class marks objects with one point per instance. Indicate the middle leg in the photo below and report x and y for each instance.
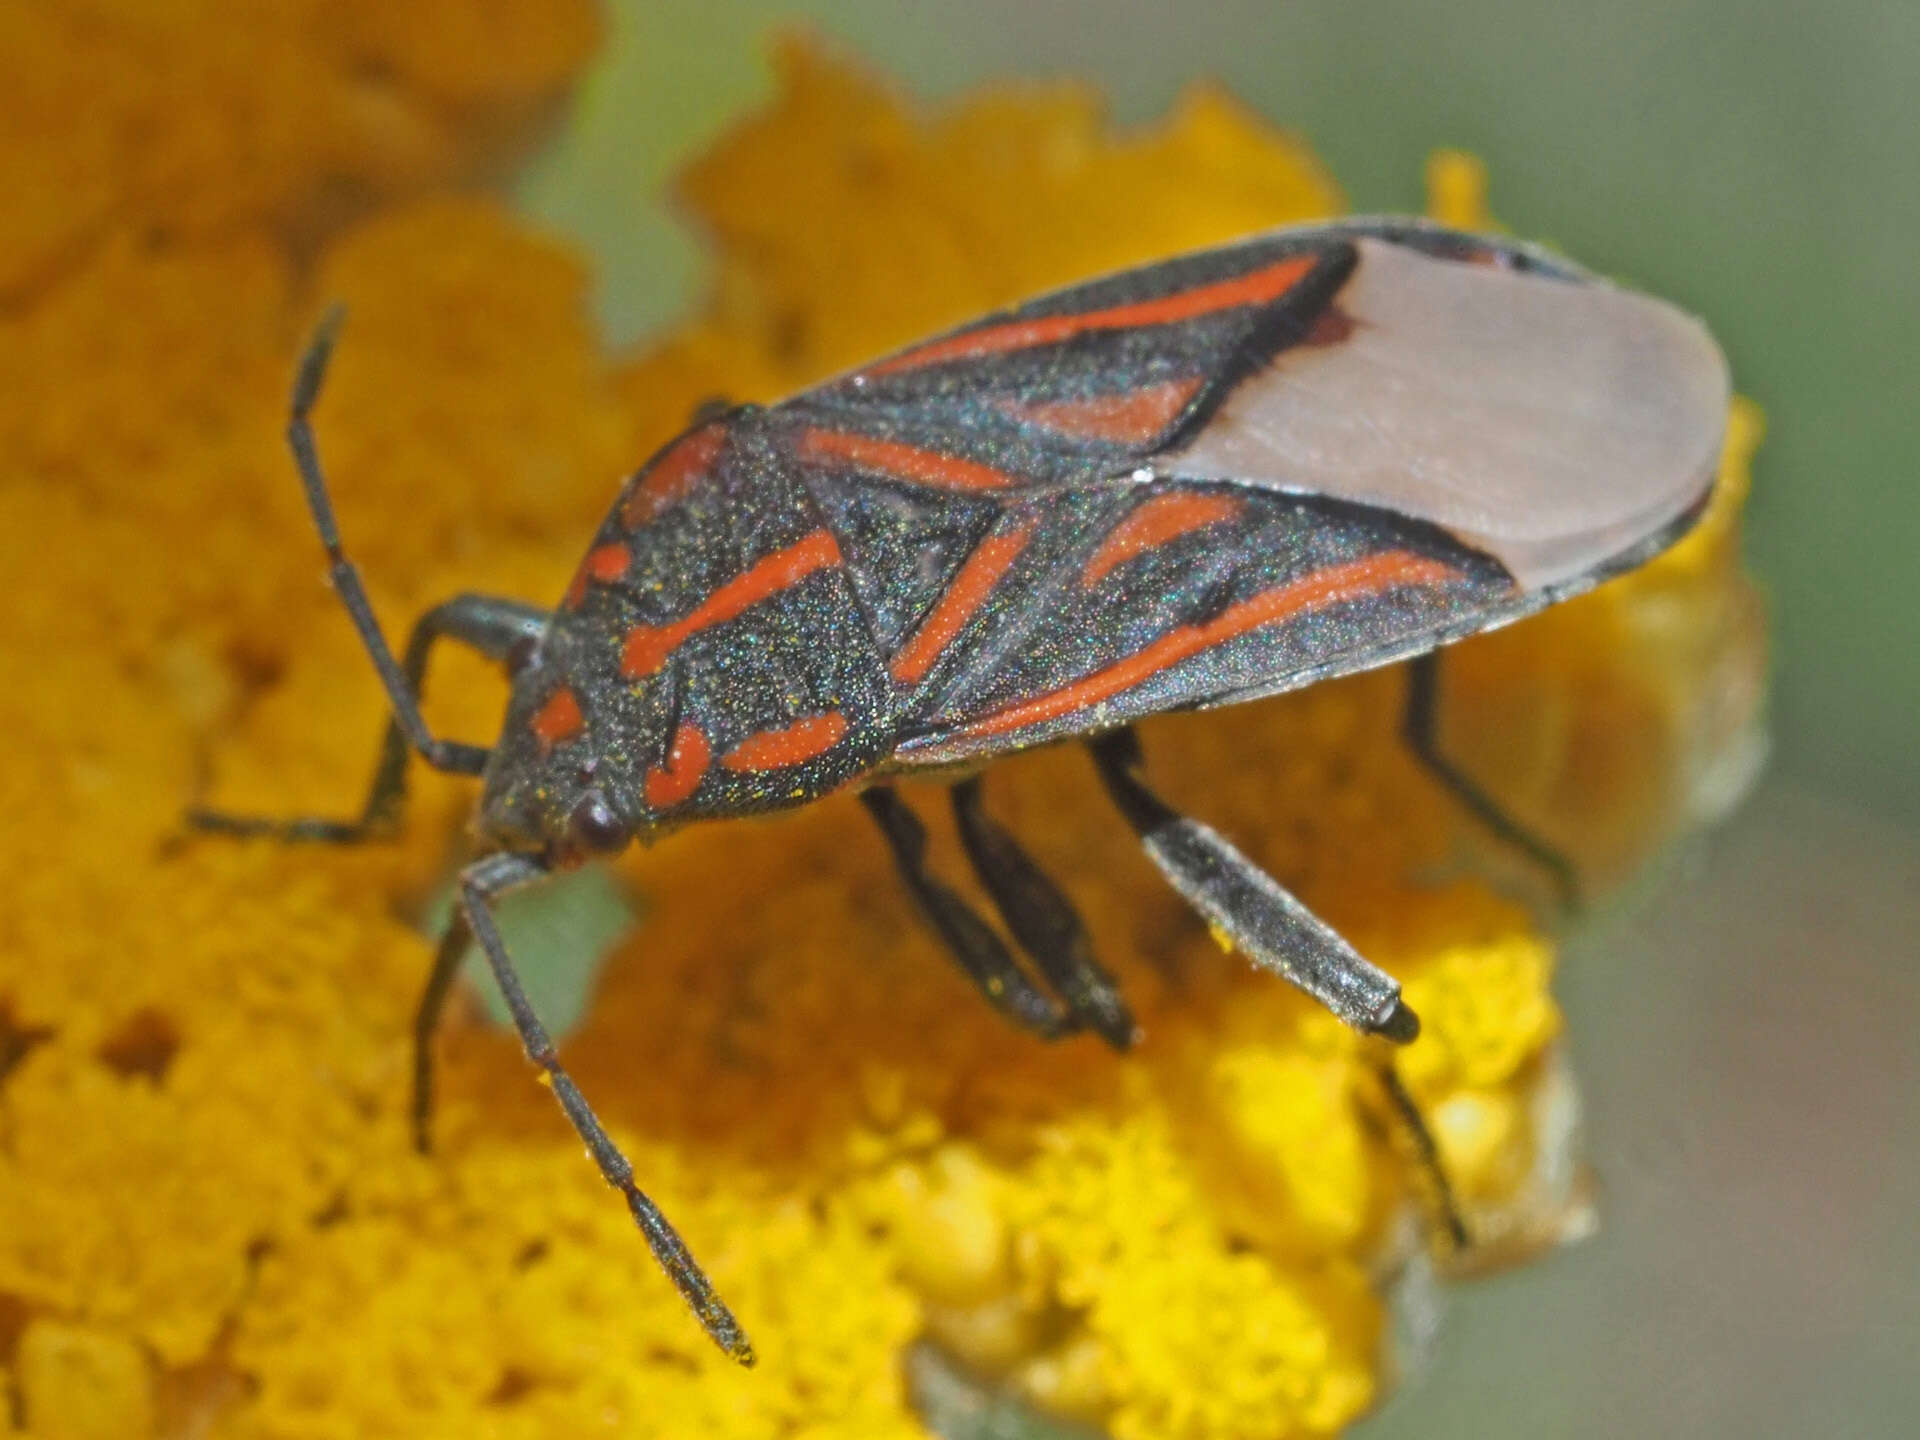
(967, 938)
(1041, 918)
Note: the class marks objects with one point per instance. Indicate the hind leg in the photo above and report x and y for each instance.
(1421, 727)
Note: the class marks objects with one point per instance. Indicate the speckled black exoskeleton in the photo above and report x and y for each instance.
(1206, 480)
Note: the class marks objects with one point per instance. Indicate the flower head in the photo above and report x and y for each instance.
(209, 1207)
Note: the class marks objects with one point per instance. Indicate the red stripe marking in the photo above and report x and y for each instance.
(1255, 288)
(1163, 518)
(607, 563)
(673, 476)
(648, 646)
(799, 742)
(968, 591)
(558, 719)
(1354, 580)
(1332, 326)
(667, 785)
(904, 462)
(1130, 417)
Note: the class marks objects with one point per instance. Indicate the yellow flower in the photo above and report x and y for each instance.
(210, 1214)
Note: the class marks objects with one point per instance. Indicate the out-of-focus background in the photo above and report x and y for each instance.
(1745, 1024)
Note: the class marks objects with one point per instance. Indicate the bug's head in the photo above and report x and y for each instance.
(559, 783)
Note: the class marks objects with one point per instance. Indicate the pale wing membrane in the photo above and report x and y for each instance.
(1553, 425)
(1415, 393)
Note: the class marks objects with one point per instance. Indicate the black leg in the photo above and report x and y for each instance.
(1439, 1200)
(426, 1023)
(1245, 904)
(968, 938)
(486, 623)
(491, 626)
(480, 882)
(1421, 728)
(1042, 919)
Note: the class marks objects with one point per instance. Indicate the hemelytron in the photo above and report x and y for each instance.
(1202, 481)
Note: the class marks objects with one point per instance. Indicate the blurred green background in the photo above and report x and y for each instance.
(1746, 1031)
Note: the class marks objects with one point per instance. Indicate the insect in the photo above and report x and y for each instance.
(1206, 480)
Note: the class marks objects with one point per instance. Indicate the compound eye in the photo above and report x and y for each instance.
(522, 653)
(595, 827)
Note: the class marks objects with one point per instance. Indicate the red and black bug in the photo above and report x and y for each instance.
(1203, 481)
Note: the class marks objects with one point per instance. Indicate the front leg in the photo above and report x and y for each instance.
(497, 628)
(492, 626)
